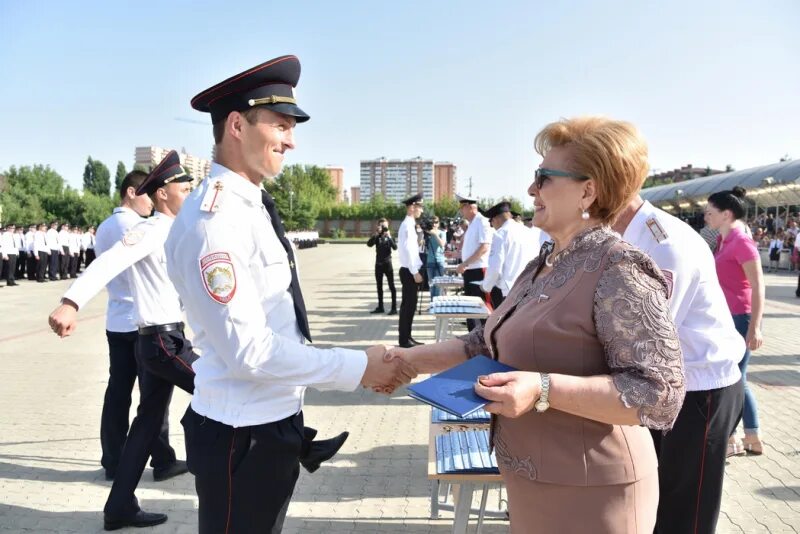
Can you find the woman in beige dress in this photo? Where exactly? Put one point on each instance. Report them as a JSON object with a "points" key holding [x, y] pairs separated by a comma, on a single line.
{"points": [[588, 327]]}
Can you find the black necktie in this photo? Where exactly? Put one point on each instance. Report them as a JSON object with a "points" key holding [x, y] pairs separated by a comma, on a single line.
{"points": [[297, 295]]}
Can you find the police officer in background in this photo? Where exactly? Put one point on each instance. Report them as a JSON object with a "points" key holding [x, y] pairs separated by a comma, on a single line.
{"points": [[30, 237], [244, 304], [42, 253], [9, 251], [410, 265], [691, 456], [163, 354], [64, 251], [475, 247], [51, 238], [22, 253], [513, 246], [384, 243]]}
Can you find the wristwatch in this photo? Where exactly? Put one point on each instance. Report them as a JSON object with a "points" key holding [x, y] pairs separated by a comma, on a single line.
{"points": [[542, 404]]}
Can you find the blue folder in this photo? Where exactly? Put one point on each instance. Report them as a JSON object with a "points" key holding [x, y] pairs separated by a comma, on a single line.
{"points": [[453, 390], [465, 453]]}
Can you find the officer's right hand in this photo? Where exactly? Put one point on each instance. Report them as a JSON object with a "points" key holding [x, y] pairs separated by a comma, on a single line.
{"points": [[385, 375], [418, 278], [64, 319]]}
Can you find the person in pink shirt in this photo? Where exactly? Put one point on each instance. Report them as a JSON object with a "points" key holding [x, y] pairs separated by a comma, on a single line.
{"points": [[739, 271]]}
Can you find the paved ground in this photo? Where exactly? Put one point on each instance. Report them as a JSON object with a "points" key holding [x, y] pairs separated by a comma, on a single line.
{"points": [[51, 393]]}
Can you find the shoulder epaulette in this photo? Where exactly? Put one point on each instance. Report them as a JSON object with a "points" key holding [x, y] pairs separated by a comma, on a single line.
{"points": [[214, 197], [659, 234]]}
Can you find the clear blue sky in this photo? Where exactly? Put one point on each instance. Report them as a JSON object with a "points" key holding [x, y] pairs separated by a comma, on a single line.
{"points": [[708, 83]]}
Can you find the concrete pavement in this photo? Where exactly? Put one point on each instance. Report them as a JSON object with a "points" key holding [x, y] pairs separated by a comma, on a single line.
{"points": [[51, 393]]}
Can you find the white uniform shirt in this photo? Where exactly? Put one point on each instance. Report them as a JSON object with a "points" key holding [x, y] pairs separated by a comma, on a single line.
{"points": [[119, 312], [233, 275], [51, 238], [155, 300], [710, 343], [87, 241], [478, 232], [7, 245], [19, 242], [513, 247], [408, 246], [29, 239], [74, 243], [40, 243], [63, 238]]}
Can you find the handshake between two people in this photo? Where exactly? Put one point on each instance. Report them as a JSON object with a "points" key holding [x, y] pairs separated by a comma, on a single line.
{"points": [[386, 370]]}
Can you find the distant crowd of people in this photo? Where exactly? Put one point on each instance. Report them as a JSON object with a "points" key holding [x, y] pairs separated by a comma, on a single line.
{"points": [[43, 253]]}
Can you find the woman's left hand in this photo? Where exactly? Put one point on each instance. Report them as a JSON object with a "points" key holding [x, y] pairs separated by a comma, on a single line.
{"points": [[512, 394], [754, 338]]}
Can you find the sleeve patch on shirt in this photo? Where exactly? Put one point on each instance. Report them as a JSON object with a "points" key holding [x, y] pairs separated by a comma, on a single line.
{"points": [[132, 237], [219, 277]]}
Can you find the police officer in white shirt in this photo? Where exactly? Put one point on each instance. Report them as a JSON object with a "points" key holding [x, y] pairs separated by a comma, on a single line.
{"points": [[51, 238], [89, 239], [410, 265], [9, 251], [513, 247], [30, 236], [42, 253], [65, 254], [475, 247], [74, 252], [121, 334], [235, 271], [692, 455], [22, 253], [163, 353]]}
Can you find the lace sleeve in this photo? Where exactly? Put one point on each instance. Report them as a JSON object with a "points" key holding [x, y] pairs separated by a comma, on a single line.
{"points": [[474, 343], [632, 319]]}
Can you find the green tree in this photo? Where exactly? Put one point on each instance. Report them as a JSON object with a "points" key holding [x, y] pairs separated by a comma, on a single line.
{"points": [[121, 172], [31, 194], [96, 177], [300, 192]]}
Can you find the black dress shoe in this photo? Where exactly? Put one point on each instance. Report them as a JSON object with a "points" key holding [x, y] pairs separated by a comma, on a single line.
{"points": [[414, 342], [405, 345], [165, 473], [393, 311], [139, 519], [12, 284], [379, 309], [322, 450]]}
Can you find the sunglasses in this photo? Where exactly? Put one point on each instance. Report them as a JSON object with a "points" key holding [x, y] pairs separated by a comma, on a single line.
{"points": [[542, 175]]}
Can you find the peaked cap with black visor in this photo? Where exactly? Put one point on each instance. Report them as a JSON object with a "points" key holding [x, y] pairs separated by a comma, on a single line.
{"points": [[168, 171], [270, 84]]}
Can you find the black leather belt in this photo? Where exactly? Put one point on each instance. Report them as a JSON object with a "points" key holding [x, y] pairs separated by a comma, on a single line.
{"points": [[147, 330]]}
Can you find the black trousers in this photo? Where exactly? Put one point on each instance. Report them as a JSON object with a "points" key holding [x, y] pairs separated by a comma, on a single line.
{"points": [[73, 266], [32, 267], [385, 269], [41, 266], [10, 269], [245, 476], [408, 305], [474, 290], [165, 359], [90, 256], [55, 263], [114, 424], [64, 266], [22, 264], [497, 297], [691, 460]]}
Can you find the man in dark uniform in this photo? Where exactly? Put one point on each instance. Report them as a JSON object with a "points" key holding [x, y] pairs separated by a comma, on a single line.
{"points": [[384, 243]]}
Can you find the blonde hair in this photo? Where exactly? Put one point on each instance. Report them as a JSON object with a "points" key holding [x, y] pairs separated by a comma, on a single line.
{"points": [[612, 153]]}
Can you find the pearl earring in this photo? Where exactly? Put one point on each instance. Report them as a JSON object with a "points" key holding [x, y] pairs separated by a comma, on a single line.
{"points": [[585, 215]]}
